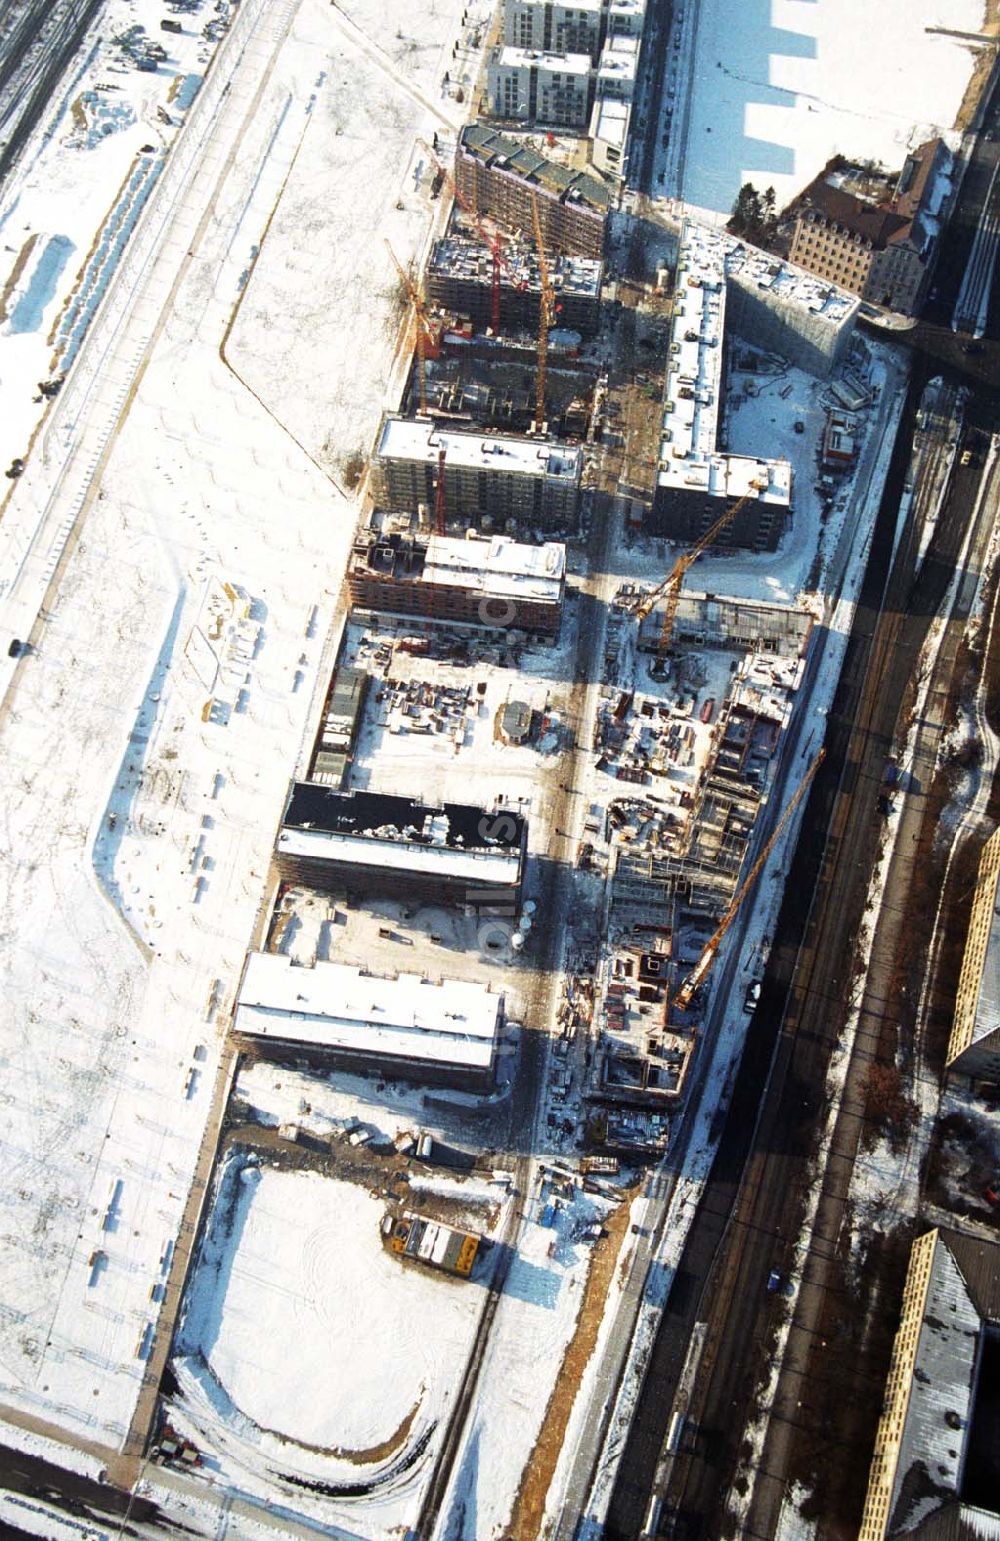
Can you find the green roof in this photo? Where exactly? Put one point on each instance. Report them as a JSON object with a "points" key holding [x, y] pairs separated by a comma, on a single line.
{"points": [[488, 144]]}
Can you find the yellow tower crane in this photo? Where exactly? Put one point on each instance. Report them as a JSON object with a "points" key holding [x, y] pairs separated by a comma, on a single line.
{"points": [[419, 307], [546, 310], [698, 974], [670, 588]]}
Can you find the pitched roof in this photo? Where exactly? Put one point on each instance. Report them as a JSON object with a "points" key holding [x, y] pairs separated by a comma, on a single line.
{"points": [[874, 223], [521, 160]]}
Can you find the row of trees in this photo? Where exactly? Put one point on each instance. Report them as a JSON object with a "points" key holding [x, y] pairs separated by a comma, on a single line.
{"points": [[755, 214]]}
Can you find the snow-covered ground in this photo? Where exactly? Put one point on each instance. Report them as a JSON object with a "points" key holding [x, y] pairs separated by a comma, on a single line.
{"points": [[77, 194], [139, 819], [321, 292], [534, 1324], [769, 90], [308, 1354]]}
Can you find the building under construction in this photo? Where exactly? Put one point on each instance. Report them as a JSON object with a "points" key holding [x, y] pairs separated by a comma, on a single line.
{"points": [[465, 392], [497, 177], [365, 843], [460, 275], [471, 479], [496, 582], [715, 620]]}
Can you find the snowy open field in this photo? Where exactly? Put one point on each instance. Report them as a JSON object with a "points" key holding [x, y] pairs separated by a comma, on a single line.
{"points": [[139, 820], [321, 296], [76, 197], [779, 86], [306, 1350]]}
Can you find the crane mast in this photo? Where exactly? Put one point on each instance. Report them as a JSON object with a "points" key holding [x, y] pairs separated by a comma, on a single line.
{"points": [[670, 588], [419, 306], [492, 239], [544, 317], [698, 974], [439, 503]]}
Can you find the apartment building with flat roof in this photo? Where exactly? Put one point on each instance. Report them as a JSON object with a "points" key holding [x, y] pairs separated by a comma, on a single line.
{"points": [[528, 86], [974, 1045], [547, 26], [493, 483]]}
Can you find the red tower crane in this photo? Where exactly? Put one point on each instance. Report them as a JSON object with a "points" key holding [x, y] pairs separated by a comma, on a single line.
{"points": [[492, 239]]}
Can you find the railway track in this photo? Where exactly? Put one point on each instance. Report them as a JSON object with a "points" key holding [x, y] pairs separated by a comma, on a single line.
{"points": [[37, 45]]}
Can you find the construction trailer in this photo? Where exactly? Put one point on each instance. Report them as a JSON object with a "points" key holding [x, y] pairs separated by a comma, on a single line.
{"points": [[432, 1243]]}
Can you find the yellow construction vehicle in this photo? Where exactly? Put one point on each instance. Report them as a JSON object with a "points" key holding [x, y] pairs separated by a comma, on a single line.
{"points": [[670, 588], [699, 973]]}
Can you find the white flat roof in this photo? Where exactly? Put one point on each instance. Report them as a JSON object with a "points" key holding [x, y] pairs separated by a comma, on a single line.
{"points": [[689, 456], [404, 439], [369, 851], [619, 55], [576, 5], [497, 566], [731, 476], [534, 59], [609, 121], [336, 1006]]}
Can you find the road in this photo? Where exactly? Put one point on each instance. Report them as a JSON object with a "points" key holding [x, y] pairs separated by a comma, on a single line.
{"points": [[800, 1376], [752, 1206]]}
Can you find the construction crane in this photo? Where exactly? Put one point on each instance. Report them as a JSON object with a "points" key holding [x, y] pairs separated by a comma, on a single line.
{"points": [[439, 506], [670, 588], [492, 239], [697, 976], [546, 304], [419, 305]]}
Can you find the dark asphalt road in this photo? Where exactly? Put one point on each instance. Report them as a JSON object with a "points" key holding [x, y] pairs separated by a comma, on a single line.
{"points": [[755, 1191]]}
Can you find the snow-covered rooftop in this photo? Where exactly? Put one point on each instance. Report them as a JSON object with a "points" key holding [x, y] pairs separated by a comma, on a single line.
{"points": [[403, 439], [618, 60], [497, 566], [369, 851], [610, 121], [460, 255], [454, 841], [336, 1006], [557, 63], [690, 457]]}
